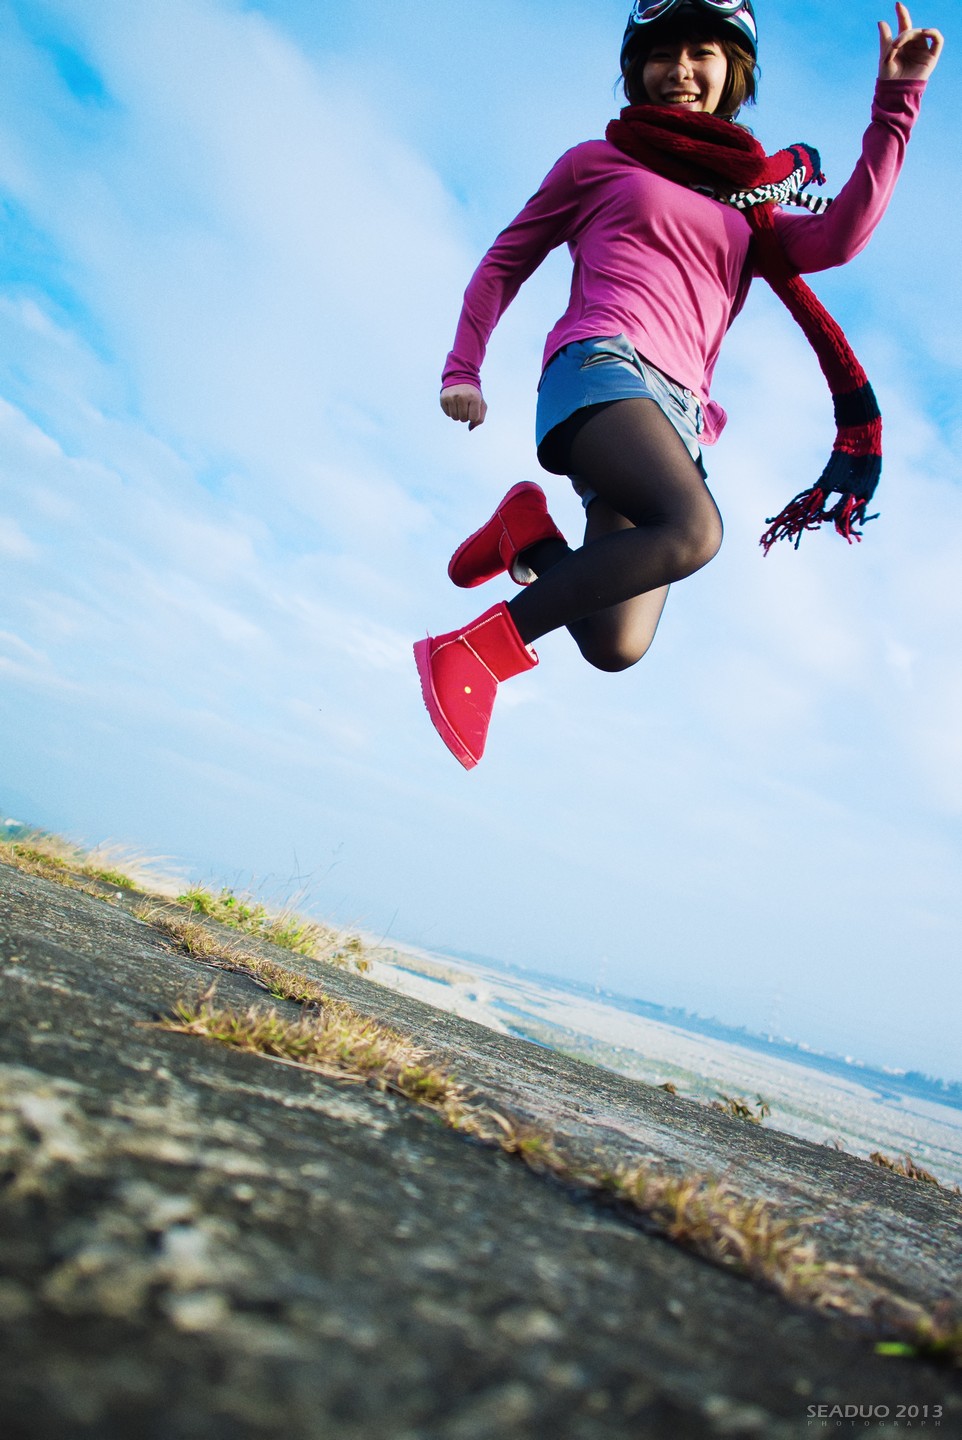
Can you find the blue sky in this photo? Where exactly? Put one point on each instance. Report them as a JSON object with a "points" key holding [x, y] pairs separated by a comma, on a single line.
{"points": [[235, 241]]}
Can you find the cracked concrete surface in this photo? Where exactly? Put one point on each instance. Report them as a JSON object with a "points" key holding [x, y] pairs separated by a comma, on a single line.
{"points": [[199, 1243]]}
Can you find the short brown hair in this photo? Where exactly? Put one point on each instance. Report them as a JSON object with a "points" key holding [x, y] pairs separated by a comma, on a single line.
{"points": [[740, 85]]}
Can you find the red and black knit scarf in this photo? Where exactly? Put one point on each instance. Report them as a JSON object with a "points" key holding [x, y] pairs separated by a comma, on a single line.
{"points": [[728, 163]]}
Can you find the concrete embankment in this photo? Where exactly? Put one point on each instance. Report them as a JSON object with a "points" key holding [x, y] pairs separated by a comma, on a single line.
{"points": [[201, 1244]]}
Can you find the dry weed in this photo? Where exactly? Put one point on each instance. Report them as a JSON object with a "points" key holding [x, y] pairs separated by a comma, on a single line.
{"points": [[710, 1217], [741, 1109], [53, 858], [196, 940], [332, 1039], [284, 928], [905, 1166]]}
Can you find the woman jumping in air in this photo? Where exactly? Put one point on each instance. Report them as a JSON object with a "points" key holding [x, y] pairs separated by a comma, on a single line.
{"points": [[667, 220]]}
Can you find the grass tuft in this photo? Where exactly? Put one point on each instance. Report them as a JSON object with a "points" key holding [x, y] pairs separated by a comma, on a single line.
{"points": [[905, 1166], [55, 859], [936, 1337], [52, 858], [285, 928], [939, 1335], [741, 1109], [527, 1142], [332, 1039], [711, 1218], [196, 940]]}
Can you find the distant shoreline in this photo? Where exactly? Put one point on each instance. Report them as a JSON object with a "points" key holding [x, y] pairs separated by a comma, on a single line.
{"points": [[888, 1083]]}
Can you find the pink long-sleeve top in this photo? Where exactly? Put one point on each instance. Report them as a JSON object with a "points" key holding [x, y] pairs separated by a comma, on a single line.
{"points": [[662, 264]]}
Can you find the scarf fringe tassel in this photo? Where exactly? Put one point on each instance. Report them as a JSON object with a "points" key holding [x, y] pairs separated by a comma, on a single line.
{"points": [[853, 472], [809, 510]]}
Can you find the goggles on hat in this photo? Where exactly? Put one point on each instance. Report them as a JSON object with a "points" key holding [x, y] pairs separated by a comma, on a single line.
{"points": [[738, 15], [643, 13]]}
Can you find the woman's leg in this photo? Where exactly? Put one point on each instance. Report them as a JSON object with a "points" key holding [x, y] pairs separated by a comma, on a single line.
{"points": [[618, 637], [615, 638], [632, 456]]}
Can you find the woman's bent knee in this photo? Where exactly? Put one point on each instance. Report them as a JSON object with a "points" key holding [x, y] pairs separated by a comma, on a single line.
{"points": [[710, 544], [612, 656], [694, 547]]}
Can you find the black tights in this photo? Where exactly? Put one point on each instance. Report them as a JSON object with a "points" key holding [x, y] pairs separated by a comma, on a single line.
{"points": [[654, 522]]}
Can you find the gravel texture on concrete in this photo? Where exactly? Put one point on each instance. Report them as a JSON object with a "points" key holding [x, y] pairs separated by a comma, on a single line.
{"points": [[197, 1243]]}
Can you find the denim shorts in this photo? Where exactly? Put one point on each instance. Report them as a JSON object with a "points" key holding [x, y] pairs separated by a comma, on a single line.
{"points": [[606, 368]]}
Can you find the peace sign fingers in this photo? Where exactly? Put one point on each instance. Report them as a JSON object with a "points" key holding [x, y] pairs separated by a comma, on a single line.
{"points": [[910, 55]]}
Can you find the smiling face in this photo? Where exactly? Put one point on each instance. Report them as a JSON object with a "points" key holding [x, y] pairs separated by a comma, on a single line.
{"points": [[686, 72]]}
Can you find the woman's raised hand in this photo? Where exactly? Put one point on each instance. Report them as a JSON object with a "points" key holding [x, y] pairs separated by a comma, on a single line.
{"points": [[464, 402], [912, 54]]}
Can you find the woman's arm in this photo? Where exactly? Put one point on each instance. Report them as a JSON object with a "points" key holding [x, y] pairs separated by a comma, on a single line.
{"points": [[819, 242], [543, 224]]}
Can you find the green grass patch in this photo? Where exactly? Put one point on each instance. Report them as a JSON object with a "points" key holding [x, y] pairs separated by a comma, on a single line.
{"points": [[55, 859], [195, 938], [284, 928]]}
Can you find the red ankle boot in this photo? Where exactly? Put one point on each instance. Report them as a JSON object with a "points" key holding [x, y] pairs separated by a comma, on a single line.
{"points": [[459, 678], [520, 520]]}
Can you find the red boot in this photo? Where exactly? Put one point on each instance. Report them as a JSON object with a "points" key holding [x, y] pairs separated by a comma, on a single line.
{"points": [[520, 520], [459, 678]]}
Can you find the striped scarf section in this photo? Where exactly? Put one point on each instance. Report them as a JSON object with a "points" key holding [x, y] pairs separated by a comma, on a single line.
{"points": [[725, 161]]}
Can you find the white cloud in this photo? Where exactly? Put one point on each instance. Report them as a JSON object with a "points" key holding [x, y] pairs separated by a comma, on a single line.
{"points": [[26, 664], [272, 270], [14, 544]]}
